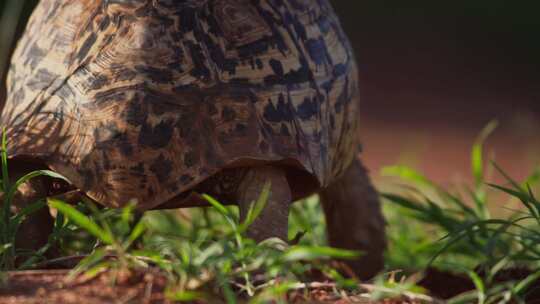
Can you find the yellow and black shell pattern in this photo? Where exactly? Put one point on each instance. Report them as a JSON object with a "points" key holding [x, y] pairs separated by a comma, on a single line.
{"points": [[145, 99]]}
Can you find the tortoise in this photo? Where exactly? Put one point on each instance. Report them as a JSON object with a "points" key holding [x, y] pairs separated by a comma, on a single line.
{"points": [[160, 101]]}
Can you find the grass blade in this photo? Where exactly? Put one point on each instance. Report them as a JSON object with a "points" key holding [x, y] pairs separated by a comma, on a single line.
{"points": [[523, 285], [477, 161], [257, 207], [88, 262], [82, 220], [221, 209], [407, 174], [5, 174], [28, 210], [297, 253], [479, 285], [136, 233]]}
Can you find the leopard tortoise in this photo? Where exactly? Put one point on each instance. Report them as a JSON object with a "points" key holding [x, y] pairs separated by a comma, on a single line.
{"points": [[159, 101]]}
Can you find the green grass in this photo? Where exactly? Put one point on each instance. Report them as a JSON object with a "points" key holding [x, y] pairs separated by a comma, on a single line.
{"points": [[456, 232], [205, 254]]}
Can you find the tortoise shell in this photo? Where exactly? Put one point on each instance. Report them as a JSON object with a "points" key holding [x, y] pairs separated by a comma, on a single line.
{"points": [[146, 99]]}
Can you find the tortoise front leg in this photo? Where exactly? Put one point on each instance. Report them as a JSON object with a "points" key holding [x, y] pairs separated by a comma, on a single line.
{"points": [[354, 219], [33, 233], [273, 220]]}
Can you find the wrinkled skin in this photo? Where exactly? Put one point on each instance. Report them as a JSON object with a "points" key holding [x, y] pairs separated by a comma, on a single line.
{"points": [[159, 101]]}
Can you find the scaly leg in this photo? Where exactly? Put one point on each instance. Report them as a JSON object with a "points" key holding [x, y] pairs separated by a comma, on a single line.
{"points": [[354, 219], [33, 232], [273, 220]]}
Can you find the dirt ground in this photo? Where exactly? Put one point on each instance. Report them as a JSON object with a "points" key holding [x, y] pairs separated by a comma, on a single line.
{"points": [[52, 286]]}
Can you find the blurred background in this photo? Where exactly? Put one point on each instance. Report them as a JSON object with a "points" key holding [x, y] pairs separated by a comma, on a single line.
{"points": [[433, 73]]}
